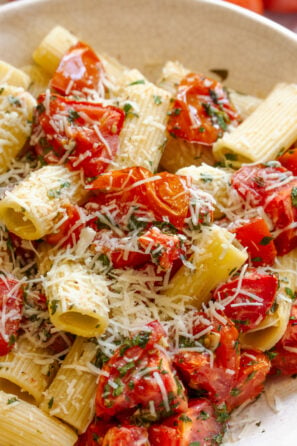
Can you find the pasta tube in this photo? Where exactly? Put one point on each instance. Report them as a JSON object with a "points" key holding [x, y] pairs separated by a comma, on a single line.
{"points": [[24, 366], [13, 76], [266, 133], [144, 132], [22, 424], [70, 397], [217, 256], [272, 328], [57, 42], [77, 298], [39, 79], [16, 110], [52, 48], [30, 209], [245, 103], [212, 180]]}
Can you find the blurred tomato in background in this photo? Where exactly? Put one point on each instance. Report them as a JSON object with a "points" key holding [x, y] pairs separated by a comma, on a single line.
{"points": [[287, 6], [253, 5]]}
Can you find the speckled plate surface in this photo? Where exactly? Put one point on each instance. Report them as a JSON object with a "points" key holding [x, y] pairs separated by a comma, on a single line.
{"points": [[204, 35]]}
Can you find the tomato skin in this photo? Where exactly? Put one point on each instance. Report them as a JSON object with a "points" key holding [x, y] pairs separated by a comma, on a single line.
{"points": [[126, 436], [80, 66], [95, 433], [196, 368], [286, 6], [283, 213], [256, 237], [253, 5], [289, 160], [274, 188], [282, 360], [168, 246], [11, 300], [78, 132], [197, 425], [134, 390], [261, 285], [252, 182], [201, 111], [166, 195], [254, 367], [74, 214]]}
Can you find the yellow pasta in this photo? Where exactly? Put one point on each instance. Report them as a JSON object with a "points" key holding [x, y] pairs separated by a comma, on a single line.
{"points": [[77, 298], [13, 76], [216, 257], [144, 133], [23, 424], [245, 103], [24, 366], [30, 209], [272, 328], [16, 110], [70, 397], [266, 133]]}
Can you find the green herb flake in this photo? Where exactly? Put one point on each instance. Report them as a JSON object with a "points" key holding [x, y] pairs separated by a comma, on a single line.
{"points": [[235, 391], [14, 101], [157, 100], [265, 241], [138, 82], [50, 403], [203, 415], [290, 293], [206, 178], [294, 196], [12, 340], [231, 156], [54, 306], [73, 115], [95, 437], [256, 259], [12, 400], [185, 418], [1, 90], [195, 443], [123, 370]]}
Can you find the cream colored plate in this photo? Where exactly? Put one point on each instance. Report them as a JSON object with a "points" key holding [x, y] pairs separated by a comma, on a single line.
{"points": [[202, 34]]}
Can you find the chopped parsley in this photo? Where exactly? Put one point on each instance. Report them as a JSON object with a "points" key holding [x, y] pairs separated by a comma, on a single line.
{"points": [[73, 115], [50, 403], [138, 82], [157, 100], [265, 241], [294, 196], [54, 306], [12, 400]]}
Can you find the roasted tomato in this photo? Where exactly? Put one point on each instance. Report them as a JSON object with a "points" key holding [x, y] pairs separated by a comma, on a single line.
{"points": [[95, 433], [213, 372], [165, 194], [69, 225], [256, 237], [82, 135], [289, 159], [163, 248], [247, 299], [79, 70], [126, 436], [254, 183], [282, 210], [201, 111], [281, 5], [196, 426], [139, 375], [273, 187], [253, 5], [254, 367], [11, 304], [284, 354]]}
